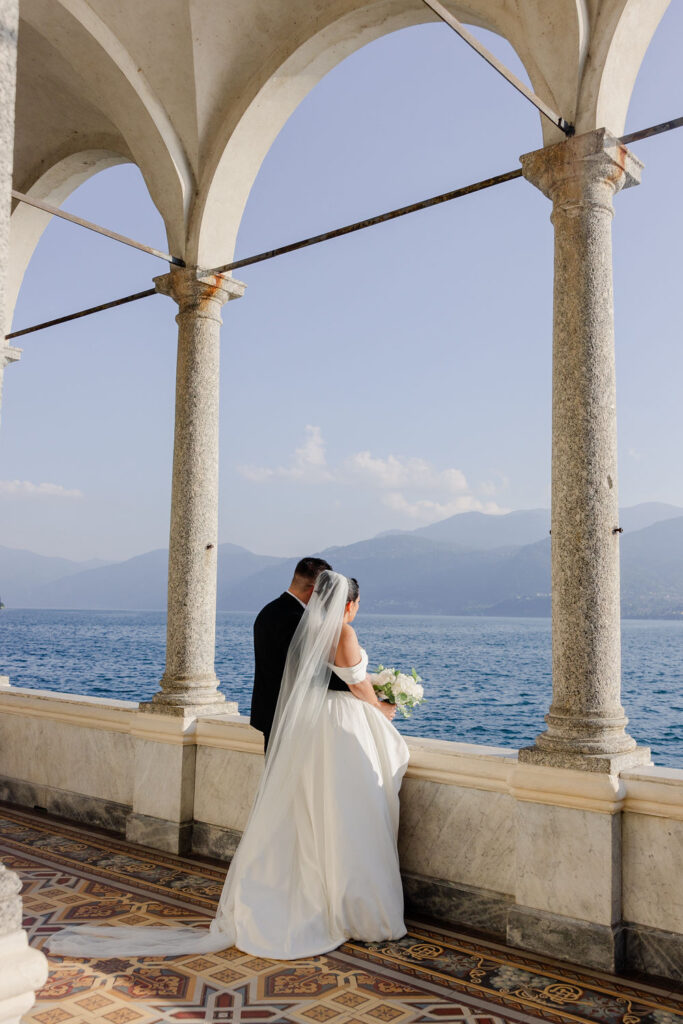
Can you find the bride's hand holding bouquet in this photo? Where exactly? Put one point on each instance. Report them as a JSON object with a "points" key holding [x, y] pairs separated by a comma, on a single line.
{"points": [[404, 691]]}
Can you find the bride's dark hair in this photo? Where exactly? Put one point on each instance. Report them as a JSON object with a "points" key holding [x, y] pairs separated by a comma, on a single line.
{"points": [[323, 585]]}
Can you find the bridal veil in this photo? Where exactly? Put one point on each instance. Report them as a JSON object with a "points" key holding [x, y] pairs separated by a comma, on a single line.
{"points": [[302, 697]]}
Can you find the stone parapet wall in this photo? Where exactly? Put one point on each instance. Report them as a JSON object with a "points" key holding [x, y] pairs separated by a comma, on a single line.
{"points": [[652, 836], [521, 851], [71, 755]]}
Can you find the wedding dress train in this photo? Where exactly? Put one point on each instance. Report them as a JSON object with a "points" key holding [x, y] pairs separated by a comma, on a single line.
{"points": [[317, 863]]}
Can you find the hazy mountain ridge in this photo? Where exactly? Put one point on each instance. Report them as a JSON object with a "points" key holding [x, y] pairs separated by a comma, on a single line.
{"points": [[469, 564], [139, 583], [23, 572]]}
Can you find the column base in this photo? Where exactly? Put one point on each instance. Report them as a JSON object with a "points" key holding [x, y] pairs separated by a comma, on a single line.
{"points": [[23, 970], [160, 707], [169, 836], [610, 764], [594, 945]]}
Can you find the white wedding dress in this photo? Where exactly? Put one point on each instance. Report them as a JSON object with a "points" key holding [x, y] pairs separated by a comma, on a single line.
{"points": [[317, 863], [330, 871]]}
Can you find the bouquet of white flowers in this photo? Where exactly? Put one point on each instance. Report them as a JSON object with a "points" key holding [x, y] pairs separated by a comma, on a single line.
{"points": [[398, 688]]}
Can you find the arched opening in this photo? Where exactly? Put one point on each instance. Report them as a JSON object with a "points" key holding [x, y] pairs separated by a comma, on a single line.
{"points": [[249, 131], [53, 187], [87, 443], [417, 354]]}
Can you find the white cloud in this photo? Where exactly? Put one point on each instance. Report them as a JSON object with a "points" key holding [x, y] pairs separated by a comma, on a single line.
{"points": [[26, 489], [308, 464], [433, 493], [428, 511], [394, 472], [492, 487]]}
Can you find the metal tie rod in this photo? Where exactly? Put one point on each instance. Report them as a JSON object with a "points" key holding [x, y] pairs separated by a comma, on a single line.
{"points": [[82, 312], [292, 247], [472, 41], [55, 211], [360, 225], [647, 133], [445, 197]]}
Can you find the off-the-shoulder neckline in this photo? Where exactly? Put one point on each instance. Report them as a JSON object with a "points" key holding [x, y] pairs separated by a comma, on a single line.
{"points": [[362, 656]]}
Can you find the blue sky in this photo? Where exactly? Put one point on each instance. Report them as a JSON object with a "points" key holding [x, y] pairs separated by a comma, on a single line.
{"points": [[379, 381]]}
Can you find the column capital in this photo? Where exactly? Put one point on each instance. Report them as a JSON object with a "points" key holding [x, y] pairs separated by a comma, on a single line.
{"points": [[202, 293], [586, 170], [9, 354]]}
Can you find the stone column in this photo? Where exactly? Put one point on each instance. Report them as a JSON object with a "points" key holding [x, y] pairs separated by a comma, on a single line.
{"points": [[22, 969], [189, 686], [8, 354], [586, 722]]}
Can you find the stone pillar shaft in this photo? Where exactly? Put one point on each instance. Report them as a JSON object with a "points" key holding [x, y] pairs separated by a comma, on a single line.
{"points": [[8, 354], [586, 722], [22, 969], [189, 685]]}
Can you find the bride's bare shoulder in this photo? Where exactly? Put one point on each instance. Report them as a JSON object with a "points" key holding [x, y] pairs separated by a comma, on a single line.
{"points": [[348, 650]]}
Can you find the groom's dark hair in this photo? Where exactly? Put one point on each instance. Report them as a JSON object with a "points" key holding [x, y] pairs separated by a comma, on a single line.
{"points": [[310, 568]]}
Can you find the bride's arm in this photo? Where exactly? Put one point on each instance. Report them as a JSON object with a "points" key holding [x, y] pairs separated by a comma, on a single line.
{"points": [[349, 654]]}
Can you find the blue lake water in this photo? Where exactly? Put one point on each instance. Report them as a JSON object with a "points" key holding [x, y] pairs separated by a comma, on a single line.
{"points": [[487, 680]]}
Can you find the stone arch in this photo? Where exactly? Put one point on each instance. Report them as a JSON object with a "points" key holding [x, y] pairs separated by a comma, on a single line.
{"points": [[98, 74], [28, 223], [621, 36], [246, 135]]}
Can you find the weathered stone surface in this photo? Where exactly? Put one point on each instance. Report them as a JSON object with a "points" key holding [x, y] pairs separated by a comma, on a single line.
{"points": [[652, 887], [478, 909], [654, 951], [79, 807], [189, 686], [580, 942], [171, 836], [22, 970], [586, 722], [569, 862], [217, 769], [10, 901], [8, 63], [79, 746], [434, 819], [87, 809], [214, 841]]}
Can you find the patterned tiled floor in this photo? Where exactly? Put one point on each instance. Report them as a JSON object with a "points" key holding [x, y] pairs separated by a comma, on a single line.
{"points": [[74, 874]]}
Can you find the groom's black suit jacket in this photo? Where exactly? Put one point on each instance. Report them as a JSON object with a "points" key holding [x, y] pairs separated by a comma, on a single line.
{"points": [[274, 628]]}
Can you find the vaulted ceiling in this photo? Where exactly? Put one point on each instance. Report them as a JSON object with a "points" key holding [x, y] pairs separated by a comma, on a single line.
{"points": [[195, 92]]}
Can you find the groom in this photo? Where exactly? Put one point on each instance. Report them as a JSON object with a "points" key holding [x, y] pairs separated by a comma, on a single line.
{"points": [[273, 631]]}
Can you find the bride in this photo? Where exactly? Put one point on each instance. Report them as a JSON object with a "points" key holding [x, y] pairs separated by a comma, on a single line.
{"points": [[317, 863]]}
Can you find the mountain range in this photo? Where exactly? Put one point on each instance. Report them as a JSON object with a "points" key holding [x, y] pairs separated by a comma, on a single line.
{"points": [[468, 564]]}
